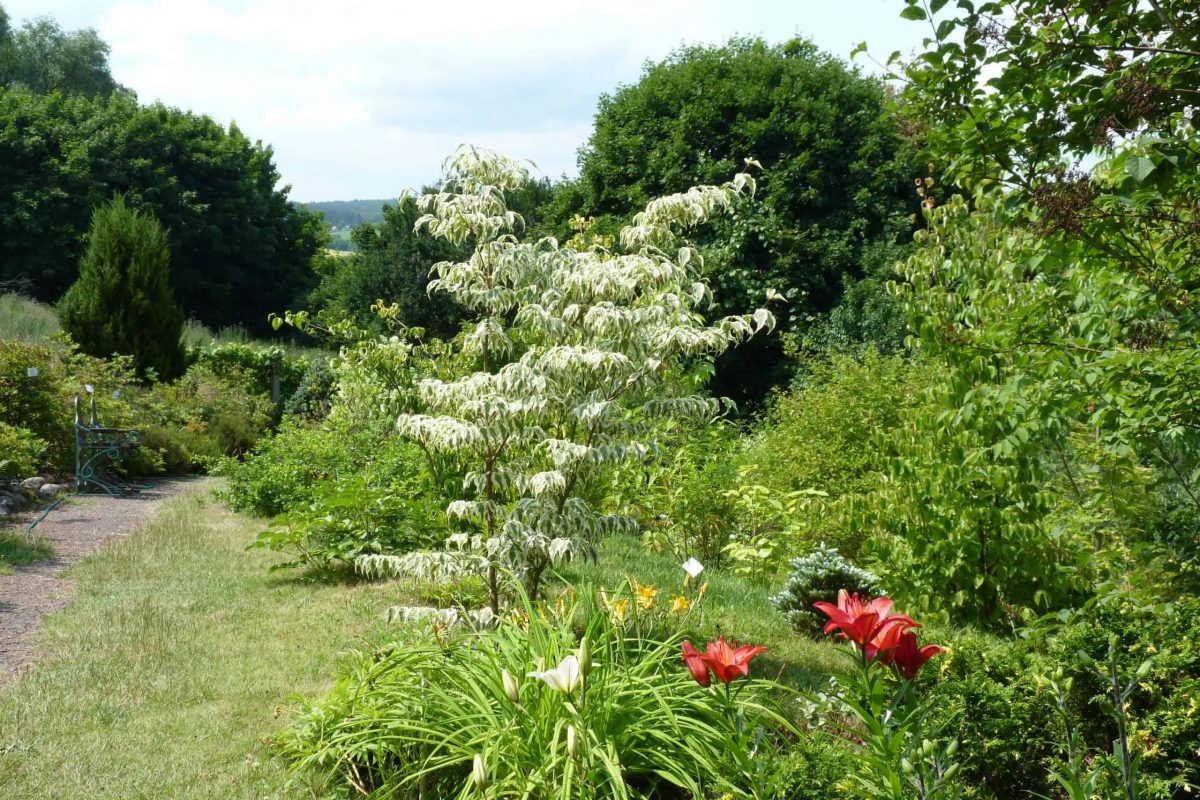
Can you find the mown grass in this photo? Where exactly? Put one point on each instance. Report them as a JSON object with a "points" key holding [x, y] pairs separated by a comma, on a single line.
{"points": [[26, 320], [171, 665], [180, 654], [738, 608], [16, 548]]}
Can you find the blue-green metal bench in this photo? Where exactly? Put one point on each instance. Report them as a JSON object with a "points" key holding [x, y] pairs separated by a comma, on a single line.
{"points": [[98, 450]]}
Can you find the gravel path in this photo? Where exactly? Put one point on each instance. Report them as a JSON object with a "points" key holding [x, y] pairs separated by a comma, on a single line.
{"points": [[78, 527]]}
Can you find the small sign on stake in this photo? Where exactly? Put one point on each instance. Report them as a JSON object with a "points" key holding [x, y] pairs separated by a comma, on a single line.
{"points": [[32, 372], [116, 393], [89, 388]]}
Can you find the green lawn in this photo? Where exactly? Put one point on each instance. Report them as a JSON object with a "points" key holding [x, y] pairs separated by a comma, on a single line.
{"points": [[173, 663], [180, 654]]}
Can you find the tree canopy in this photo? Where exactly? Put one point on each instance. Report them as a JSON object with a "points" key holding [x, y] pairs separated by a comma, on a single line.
{"points": [[42, 57], [834, 176], [239, 247]]}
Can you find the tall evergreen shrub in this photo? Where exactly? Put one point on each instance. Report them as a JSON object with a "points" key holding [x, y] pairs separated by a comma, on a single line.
{"points": [[122, 302]]}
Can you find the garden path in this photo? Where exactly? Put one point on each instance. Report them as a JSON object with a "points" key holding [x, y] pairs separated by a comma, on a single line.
{"points": [[76, 528]]}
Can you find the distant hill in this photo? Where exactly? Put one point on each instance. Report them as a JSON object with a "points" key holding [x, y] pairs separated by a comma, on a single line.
{"points": [[348, 213]]}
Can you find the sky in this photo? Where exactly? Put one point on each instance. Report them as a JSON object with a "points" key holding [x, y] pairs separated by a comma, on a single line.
{"points": [[362, 98]]}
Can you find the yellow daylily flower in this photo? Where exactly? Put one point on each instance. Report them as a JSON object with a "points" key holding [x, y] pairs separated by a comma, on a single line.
{"points": [[680, 604], [646, 596]]}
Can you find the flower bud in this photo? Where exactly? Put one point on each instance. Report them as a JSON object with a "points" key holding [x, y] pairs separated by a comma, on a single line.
{"points": [[479, 774], [585, 656], [510, 686], [572, 744], [952, 748], [1144, 669], [951, 771], [906, 766]]}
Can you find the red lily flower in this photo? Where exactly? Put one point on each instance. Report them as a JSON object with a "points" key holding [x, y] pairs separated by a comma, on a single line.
{"points": [[725, 662], [870, 625], [696, 664], [907, 657]]}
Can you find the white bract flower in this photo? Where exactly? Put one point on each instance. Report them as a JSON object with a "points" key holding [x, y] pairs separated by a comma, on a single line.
{"points": [[693, 567], [564, 678]]}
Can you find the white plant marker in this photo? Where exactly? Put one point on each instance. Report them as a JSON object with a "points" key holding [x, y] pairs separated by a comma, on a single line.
{"points": [[693, 567], [89, 388], [32, 372]]}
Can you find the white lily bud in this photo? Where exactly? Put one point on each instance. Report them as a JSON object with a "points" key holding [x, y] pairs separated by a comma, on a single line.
{"points": [[585, 656], [572, 744], [510, 686], [479, 774]]}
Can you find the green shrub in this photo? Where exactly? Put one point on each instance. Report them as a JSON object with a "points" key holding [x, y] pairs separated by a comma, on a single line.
{"points": [[252, 365], [822, 436], [208, 415], [993, 695], [314, 395], [284, 471], [350, 518], [412, 718], [169, 445], [123, 301], [42, 404], [987, 695], [815, 767], [817, 577], [20, 452], [1164, 708], [676, 494], [140, 462]]}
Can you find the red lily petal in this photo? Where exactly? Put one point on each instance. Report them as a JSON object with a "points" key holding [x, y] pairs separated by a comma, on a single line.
{"points": [[908, 658], [696, 664]]}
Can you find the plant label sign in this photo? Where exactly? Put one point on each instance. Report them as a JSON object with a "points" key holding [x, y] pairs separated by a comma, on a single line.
{"points": [[32, 372]]}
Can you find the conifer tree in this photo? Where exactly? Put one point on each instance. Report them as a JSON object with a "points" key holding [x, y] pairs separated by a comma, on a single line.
{"points": [[122, 301]]}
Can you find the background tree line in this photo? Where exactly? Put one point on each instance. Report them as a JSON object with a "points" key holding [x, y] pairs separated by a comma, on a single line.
{"points": [[71, 137], [835, 200]]}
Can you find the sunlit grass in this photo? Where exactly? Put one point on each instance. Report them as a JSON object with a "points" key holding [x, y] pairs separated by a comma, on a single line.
{"points": [[26, 320], [196, 334], [17, 548], [738, 608], [172, 664]]}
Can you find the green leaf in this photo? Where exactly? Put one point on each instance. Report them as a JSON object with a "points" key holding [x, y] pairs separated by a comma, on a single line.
{"points": [[915, 13], [1139, 168]]}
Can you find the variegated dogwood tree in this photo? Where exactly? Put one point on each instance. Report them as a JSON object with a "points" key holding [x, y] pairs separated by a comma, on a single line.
{"points": [[575, 347]]}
